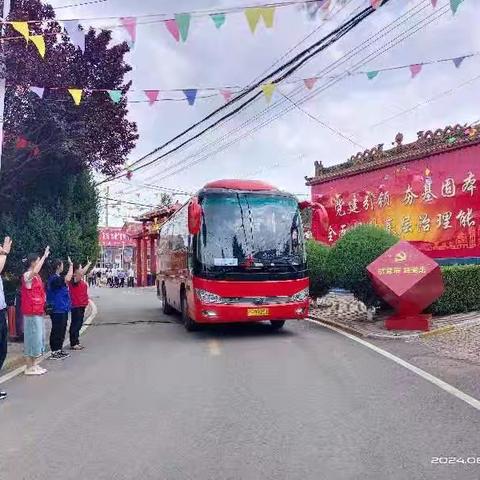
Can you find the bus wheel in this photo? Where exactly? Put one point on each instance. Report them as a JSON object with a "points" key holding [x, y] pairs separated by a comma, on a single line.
{"points": [[166, 307], [190, 325], [277, 324]]}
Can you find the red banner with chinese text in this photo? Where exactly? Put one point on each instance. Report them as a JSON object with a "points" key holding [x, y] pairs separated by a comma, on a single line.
{"points": [[114, 237], [433, 202]]}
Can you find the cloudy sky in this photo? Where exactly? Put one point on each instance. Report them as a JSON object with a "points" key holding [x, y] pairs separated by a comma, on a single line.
{"points": [[279, 142]]}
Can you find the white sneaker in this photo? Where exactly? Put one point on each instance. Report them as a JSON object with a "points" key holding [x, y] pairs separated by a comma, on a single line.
{"points": [[33, 371], [41, 370]]}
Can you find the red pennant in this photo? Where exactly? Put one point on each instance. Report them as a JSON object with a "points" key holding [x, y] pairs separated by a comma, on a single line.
{"points": [[310, 82], [226, 94], [152, 96], [375, 3], [434, 3], [172, 27], [415, 69]]}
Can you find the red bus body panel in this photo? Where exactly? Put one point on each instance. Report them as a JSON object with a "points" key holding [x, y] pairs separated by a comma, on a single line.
{"points": [[239, 311]]}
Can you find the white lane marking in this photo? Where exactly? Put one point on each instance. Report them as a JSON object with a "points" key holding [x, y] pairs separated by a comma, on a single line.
{"points": [[214, 348], [86, 324], [422, 373]]}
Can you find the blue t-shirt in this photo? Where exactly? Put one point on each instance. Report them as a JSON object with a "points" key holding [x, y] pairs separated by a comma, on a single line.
{"points": [[58, 296]]}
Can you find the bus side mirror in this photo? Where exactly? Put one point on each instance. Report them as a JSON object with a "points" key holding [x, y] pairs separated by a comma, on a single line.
{"points": [[194, 216]]}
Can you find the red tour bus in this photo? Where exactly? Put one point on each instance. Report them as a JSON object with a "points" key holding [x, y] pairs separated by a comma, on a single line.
{"points": [[234, 253]]}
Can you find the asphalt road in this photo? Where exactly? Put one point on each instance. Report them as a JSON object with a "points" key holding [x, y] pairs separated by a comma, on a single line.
{"points": [[150, 401]]}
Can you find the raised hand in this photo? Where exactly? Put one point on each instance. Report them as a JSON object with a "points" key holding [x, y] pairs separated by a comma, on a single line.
{"points": [[7, 245], [47, 252], [70, 261]]}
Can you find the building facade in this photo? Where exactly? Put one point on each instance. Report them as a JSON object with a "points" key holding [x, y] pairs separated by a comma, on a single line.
{"points": [[426, 192]]}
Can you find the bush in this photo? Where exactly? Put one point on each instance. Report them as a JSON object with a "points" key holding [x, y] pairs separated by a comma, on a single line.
{"points": [[317, 254], [348, 260], [462, 290]]}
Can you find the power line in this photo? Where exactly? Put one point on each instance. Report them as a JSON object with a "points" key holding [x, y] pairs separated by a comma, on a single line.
{"points": [[292, 65], [308, 97], [353, 52]]}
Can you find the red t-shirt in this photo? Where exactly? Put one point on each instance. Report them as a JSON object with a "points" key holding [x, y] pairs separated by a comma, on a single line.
{"points": [[78, 293]]}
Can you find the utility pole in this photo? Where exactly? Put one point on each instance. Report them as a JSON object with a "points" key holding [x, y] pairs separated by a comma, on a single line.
{"points": [[3, 73], [106, 206]]}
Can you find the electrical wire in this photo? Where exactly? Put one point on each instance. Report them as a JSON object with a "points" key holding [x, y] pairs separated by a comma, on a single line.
{"points": [[268, 121], [353, 52], [291, 65]]}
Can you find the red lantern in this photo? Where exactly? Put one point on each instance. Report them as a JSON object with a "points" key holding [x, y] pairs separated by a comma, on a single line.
{"points": [[194, 216]]}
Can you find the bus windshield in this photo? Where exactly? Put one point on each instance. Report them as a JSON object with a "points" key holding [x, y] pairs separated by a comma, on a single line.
{"points": [[249, 231]]}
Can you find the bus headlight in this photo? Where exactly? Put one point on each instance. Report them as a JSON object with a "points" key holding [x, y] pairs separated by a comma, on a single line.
{"points": [[208, 297], [300, 296]]}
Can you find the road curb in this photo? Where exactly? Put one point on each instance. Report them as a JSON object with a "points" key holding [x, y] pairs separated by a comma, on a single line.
{"points": [[17, 370], [396, 336]]}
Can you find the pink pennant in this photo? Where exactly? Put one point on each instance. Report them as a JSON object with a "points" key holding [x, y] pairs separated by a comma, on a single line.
{"points": [[152, 96], [172, 27], [434, 3], [375, 3], [415, 69], [310, 82], [227, 95], [130, 24]]}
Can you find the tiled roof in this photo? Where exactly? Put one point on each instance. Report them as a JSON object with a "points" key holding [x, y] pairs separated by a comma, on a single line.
{"points": [[428, 143]]}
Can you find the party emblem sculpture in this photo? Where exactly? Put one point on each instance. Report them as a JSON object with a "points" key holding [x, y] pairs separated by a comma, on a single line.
{"points": [[409, 281]]}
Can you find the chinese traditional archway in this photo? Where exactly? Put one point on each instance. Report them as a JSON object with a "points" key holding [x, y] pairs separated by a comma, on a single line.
{"points": [[426, 192], [145, 234]]}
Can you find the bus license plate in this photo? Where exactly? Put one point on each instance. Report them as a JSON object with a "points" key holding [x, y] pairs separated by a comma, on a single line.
{"points": [[257, 312]]}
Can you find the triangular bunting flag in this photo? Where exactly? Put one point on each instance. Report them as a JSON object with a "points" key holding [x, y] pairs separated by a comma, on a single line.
{"points": [[268, 13], [183, 23], [37, 91], [226, 94], [434, 3], [152, 96], [310, 82], [376, 3], [172, 27], [77, 36], [415, 69], [454, 4], [130, 24], [39, 42], [115, 95], [76, 94], [22, 28], [218, 19], [458, 61], [372, 74], [268, 90], [191, 95], [253, 16]]}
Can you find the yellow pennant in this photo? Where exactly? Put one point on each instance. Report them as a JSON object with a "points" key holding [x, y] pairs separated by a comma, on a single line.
{"points": [[253, 16], [22, 28], [39, 42], [267, 14], [76, 94], [268, 90]]}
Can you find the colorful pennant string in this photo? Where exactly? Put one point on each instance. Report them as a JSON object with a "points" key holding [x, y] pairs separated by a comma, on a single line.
{"points": [[454, 4], [130, 24], [39, 91], [172, 26], [268, 90], [183, 23], [77, 36], [76, 94], [39, 42], [115, 95], [310, 82], [218, 19], [415, 69], [152, 96], [22, 29], [191, 95], [372, 74]]}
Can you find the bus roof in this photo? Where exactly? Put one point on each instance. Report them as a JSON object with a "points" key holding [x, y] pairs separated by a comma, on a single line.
{"points": [[249, 185]]}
